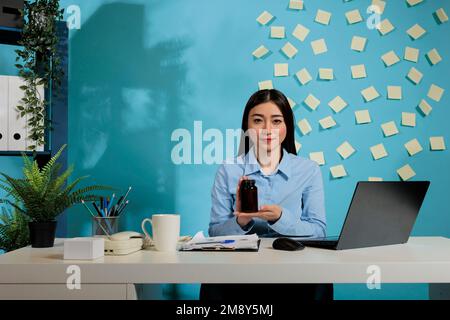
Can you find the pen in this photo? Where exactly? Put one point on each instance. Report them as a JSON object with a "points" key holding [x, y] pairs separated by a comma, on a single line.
{"points": [[97, 209], [114, 211], [215, 242], [119, 201], [110, 202], [107, 203], [123, 207], [126, 195]]}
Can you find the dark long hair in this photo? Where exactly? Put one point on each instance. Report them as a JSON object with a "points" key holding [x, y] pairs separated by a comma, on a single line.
{"points": [[278, 98]]}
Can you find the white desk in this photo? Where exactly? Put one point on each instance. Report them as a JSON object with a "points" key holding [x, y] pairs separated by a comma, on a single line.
{"points": [[41, 273]]}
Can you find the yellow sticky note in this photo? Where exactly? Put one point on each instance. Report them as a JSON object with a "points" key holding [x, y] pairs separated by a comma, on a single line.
{"points": [[394, 92], [406, 172], [385, 27], [375, 179], [304, 126], [441, 15], [358, 71], [289, 50], [337, 104], [264, 18], [380, 4], [435, 93], [266, 84], [353, 16], [281, 70], [378, 151], [412, 3], [260, 52], [437, 143], [277, 32], [292, 103], [370, 93], [358, 43], [296, 4], [425, 107], [298, 146], [300, 32], [326, 74], [312, 102], [413, 147], [416, 31], [303, 76], [411, 54], [408, 119], [327, 122], [390, 58], [319, 46], [345, 150], [414, 75], [362, 116], [338, 171], [323, 17], [317, 157], [433, 56], [389, 128]]}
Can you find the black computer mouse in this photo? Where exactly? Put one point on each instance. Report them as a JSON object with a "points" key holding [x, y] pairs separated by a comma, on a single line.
{"points": [[287, 244]]}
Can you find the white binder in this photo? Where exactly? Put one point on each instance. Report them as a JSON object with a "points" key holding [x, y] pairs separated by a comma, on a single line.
{"points": [[4, 85], [17, 125]]}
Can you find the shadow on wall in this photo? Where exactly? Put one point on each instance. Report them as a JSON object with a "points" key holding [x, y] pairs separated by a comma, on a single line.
{"points": [[124, 101]]}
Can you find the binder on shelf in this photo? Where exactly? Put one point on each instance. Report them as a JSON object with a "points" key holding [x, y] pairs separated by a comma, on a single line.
{"points": [[3, 113], [14, 128], [16, 123]]}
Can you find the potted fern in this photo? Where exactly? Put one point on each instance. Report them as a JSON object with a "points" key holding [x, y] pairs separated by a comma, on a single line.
{"points": [[14, 233], [43, 194]]}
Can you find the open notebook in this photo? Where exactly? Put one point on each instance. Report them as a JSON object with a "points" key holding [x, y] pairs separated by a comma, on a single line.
{"points": [[223, 243]]}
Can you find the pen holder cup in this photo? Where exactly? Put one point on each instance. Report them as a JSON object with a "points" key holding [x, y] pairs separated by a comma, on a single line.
{"points": [[105, 225]]}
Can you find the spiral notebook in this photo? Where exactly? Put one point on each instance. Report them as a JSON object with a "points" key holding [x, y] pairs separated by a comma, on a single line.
{"points": [[223, 243]]}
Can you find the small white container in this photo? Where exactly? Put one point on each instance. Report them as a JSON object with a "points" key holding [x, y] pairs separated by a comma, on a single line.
{"points": [[84, 248]]}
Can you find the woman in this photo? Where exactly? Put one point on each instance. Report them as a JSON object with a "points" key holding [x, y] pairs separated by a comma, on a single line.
{"points": [[290, 190]]}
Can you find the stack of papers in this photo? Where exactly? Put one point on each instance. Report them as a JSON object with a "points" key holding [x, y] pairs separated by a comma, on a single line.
{"points": [[225, 243]]}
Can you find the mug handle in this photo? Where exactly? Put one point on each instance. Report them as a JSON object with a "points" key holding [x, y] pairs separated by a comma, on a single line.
{"points": [[143, 227]]}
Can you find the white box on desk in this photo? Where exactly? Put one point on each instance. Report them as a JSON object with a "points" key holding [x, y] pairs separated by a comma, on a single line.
{"points": [[84, 248]]}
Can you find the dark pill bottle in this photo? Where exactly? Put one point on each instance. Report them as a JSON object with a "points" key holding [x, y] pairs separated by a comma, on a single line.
{"points": [[249, 196]]}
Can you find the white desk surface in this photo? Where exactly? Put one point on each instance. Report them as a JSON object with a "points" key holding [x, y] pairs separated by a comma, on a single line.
{"points": [[421, 260]]}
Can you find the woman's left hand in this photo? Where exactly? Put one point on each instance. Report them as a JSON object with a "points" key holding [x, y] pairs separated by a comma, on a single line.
{"points": [[269, 212]]}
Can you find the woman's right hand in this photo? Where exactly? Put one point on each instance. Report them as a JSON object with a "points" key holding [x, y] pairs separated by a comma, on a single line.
{"points": [[242, 221]]}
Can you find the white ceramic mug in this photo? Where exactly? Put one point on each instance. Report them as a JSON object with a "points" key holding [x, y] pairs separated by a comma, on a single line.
{"points": [[166, 231]]}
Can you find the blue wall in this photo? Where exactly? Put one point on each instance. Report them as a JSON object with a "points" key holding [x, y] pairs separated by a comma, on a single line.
{"points": [[140, 69]]}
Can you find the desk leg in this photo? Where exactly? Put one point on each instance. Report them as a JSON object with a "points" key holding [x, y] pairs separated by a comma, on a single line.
{"points": [[439, 291], [131, 291]]}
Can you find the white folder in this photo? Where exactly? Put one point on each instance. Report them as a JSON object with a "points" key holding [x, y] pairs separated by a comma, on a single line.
{"points": [[17, 124], [4, 85]]}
